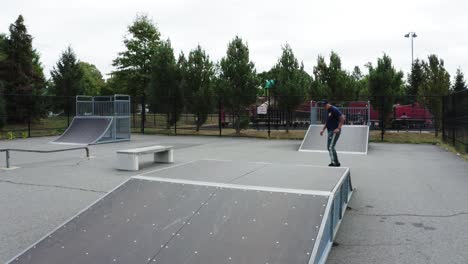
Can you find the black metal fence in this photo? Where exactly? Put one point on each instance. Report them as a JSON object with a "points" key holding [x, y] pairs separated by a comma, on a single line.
{"points": [[215, 116], [455, 120], [51, 115], [41, 116]]}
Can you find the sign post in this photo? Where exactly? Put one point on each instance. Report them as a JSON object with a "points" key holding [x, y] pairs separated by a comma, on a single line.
{"points": [[262, 109]]}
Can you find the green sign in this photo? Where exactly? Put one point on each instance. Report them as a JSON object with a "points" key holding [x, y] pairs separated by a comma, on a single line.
{"points": [[269, 84]]}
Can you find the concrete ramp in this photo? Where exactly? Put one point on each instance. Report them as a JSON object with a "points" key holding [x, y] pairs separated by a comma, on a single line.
{"points": [[255, 213], [353, 139], [85, 131]]}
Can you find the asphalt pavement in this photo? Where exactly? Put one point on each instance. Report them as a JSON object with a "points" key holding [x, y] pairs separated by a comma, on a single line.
{"points": [[409, 205]]}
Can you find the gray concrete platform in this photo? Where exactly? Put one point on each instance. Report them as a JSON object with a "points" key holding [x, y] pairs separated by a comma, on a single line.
{"points": [[150, 221], [305, 177], [409, 207], [281, 210]]}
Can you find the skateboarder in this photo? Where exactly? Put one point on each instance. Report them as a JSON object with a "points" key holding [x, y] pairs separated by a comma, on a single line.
{"points": [[335, 120]]}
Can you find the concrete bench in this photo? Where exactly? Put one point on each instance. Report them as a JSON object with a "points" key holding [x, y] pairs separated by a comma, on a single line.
{"points": [[128, 159]]}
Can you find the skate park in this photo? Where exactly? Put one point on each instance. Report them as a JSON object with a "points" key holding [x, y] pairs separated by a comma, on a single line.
{"points": [[400, 207], [223, 200], [301, 228], [204, 132]]}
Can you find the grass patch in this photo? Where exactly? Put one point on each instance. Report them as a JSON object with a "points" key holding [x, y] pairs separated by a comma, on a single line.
{"points": [[50, 126], [453, 150], [276, 134], [228, 132], [39, 124], [415, 138], [405, 137]]}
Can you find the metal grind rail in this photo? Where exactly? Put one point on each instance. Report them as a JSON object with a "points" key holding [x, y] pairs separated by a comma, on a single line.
{"points": [[7, 152]]}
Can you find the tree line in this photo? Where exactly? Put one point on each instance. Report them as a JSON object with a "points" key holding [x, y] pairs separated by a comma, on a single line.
{"points": [[148, 68]]}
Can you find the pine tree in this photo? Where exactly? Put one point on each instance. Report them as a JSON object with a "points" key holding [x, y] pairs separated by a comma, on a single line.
{"points": [[436, 84], [238, 79], [385, 83], [415, 78], [319, 88], [3, 57], [20, 58], [360, 84], [135, 63], [338, 80], [199, 77], [24, 76], [459, 84], [164, 84], [332, 81], [67, 78], [291, 83]]}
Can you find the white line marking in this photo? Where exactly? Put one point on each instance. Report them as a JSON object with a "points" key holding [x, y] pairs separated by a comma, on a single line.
{"points": [[305, 136], [263, 163], [252, 162], [220, 160], [166, 168], [367, 140], [279, 164], [65, 143], [338, 151], [235, 186]]}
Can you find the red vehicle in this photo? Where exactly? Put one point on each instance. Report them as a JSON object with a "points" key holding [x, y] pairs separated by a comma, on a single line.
{"points": [[412, 111], [409, 116]]}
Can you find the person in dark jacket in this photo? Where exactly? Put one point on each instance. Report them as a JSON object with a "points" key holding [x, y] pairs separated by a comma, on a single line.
{"points": [[333, 125]]}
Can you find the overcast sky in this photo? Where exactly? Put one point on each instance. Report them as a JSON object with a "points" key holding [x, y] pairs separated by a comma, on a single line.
{"points": [[359, 31]]}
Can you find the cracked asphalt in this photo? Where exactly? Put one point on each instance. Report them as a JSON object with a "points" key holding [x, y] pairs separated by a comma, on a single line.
{"points": [[409, 206]]}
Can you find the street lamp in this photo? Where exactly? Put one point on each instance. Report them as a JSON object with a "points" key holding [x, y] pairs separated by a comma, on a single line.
{"points": [[411, 35]]}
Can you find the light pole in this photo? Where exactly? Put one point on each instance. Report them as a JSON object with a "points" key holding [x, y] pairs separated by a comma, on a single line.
{"points": [[269, 84], [411, 35]]}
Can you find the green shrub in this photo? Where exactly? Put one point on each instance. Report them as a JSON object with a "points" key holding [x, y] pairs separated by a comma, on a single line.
{"points": [[243, 122], [11, 135]]}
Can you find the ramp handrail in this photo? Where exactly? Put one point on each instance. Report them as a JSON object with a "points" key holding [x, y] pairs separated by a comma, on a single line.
{"points": [[7, 152]]}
